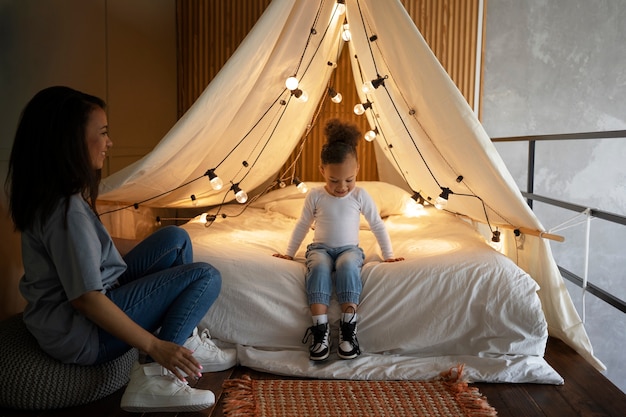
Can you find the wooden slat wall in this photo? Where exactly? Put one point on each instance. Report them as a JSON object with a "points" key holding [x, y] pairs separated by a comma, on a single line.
{"points": [[209, 31]]}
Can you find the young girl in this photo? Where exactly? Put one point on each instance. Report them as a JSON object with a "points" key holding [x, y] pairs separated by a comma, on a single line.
{"points": [[86, 304], [336, 208]]}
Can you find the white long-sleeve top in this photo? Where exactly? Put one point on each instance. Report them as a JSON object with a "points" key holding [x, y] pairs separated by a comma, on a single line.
{"points": [[337, 220]]}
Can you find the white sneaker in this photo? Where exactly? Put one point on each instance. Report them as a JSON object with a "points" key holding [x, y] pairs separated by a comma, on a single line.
{"points": [[211, 357], [153, 388]]}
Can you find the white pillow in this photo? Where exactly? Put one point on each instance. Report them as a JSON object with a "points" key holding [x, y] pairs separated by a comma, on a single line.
{"points": [[389, 199]]}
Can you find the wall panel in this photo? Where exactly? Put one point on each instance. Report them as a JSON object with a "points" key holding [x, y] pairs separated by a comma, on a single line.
{"points": [[209, 31]]}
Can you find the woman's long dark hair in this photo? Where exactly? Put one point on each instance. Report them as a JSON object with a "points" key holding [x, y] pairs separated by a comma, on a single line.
{"points": [[50, 160], [341, 141]]}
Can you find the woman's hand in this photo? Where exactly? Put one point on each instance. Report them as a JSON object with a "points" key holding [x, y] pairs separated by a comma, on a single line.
{"points": [[394, 259], [280, 255], [101, 310], [177, 359]]}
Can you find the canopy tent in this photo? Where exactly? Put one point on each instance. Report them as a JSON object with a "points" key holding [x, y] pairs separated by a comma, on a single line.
{"points": [[246, 123]]}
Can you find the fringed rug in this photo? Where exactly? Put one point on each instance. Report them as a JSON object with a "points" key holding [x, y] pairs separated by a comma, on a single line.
{"points": [[446, 396]]}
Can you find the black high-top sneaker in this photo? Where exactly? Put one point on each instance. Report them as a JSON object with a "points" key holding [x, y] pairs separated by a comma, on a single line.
{"points": [[320, 345], [348, 343]]}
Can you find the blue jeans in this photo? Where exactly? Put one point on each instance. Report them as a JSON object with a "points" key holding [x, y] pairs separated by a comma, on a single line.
{"points": [[345, 261], [162, 288]]}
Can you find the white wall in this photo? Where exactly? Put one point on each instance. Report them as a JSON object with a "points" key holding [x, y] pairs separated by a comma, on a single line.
{"points": [[121, 50], [559, 66]]}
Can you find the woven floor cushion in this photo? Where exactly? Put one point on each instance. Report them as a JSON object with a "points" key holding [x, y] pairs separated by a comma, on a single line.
{"points": [[30, 379]]}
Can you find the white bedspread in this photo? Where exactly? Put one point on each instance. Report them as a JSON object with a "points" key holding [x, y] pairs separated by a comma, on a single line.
{"points": [[453, 300]]}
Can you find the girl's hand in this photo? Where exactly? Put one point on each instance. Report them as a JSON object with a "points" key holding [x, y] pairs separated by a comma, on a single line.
{"points": [[394, 259], [280, 255], [177, 359]]}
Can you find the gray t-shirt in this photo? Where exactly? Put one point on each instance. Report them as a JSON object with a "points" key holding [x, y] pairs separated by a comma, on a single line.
{"points": [[62, 262]]}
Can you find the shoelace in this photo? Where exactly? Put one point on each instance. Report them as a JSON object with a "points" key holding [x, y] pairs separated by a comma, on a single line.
{"points": [[205, 338], [318, 333], [348, 333]]}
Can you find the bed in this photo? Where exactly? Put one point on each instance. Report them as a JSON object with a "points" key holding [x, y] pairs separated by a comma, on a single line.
{"points": [[454, 300]]}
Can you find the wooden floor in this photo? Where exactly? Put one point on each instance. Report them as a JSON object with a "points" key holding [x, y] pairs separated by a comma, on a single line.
{"points": [[586, 392]]}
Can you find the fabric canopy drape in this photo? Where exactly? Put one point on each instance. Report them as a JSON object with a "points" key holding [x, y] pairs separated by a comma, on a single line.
{"points": [[246, 124]]}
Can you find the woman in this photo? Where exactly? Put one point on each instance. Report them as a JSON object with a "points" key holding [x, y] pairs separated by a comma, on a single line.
{"points": [[86, 304]]}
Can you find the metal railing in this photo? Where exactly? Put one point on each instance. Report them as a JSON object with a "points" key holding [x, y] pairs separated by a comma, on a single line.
{"points": [[531, 197]]}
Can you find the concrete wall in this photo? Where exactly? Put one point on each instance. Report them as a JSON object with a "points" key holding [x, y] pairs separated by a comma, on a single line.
{"points": [[559, 66], [123, 51]]}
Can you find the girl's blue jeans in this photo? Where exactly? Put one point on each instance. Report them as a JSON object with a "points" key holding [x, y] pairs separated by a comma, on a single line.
{"points": [[162, 288], [345, 262]]}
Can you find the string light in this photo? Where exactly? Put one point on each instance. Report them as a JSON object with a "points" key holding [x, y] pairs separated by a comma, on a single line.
{"points": [[300, 95], [360, 108], [442, 201], [334, 95], [159, 220], [370, 135], [419, 200], [240, 195], [368, 87], [292, 83], [341, 7], [301, 186], [346, 35], [209, 219], [216, 182], [194, 201], [414, 206], [495, 241]]}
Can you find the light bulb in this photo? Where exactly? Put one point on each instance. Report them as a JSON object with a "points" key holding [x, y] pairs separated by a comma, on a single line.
{"points": [[300, 95], [341, 7], [241, 196], [304, 97], [292, 83], [194, 201], [367, 87], [203, 218], [414, 206], [346, 35], [334, 95], [413, 209], [419, 200], [442, 201], [360, 108], [216, 182], [370, 135], [300, 185]]}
